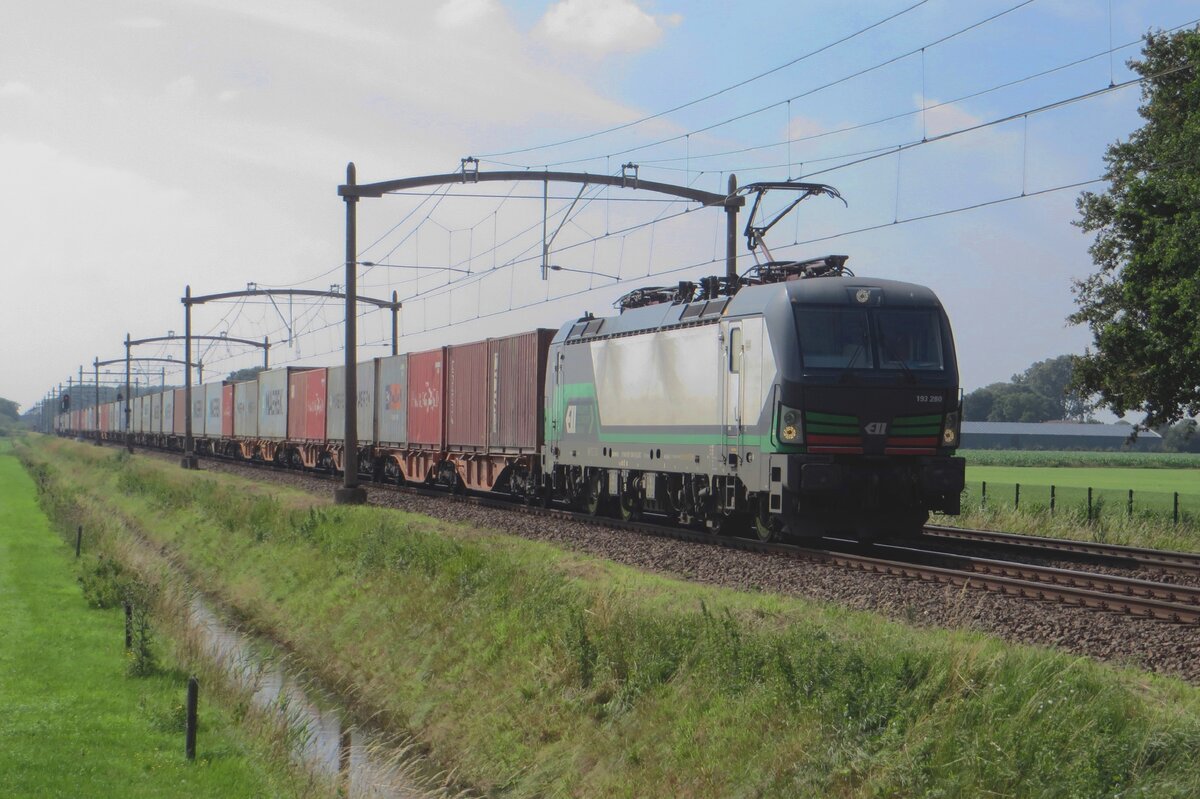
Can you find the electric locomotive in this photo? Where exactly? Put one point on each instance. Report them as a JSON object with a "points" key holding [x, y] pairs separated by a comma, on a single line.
{"points": [[809, 402]]}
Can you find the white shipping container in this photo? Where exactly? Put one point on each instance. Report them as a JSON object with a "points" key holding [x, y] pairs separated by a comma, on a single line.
{"points": [[168, 424], [391, 400], [198, 413], [245, 409], [147, 404], [156, 405], [335, 386], [273, 403], [212, 410]]}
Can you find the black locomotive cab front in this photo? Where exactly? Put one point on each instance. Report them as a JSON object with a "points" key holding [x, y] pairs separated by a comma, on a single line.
{"points": [[870, 410]]}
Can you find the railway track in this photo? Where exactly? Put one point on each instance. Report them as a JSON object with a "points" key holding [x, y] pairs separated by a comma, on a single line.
{"points": [[1142, 598], [914, 560], [1110, 554]]}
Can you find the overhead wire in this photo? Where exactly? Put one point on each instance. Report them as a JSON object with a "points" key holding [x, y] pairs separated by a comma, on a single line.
{"points": [[738, 117], [893, 117], [711, 95]]}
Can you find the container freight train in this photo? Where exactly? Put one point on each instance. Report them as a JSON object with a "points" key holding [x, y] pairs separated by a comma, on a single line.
{"points": [[794, 407]]}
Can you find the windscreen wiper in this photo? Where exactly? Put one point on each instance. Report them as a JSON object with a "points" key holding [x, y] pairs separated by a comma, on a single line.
{"points": [[887, 351]]}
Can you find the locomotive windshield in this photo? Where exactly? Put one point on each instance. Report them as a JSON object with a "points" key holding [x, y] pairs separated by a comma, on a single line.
{"points": [[858, 338]]}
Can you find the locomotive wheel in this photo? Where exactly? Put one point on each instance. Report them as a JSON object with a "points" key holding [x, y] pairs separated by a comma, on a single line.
{"points": [[631, 507], [768, 529], [593, 500]]}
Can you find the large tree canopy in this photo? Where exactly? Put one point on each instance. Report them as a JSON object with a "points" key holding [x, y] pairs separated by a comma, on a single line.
{"points": [[1143, 303]]}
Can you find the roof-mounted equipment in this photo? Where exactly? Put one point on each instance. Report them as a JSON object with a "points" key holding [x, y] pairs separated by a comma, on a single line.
{"points": [[655, 295], [783, 271]]}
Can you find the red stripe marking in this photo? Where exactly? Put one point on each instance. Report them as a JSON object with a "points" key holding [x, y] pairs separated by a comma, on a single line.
{"points": [[903, 441], [841, 441], [837, 450]]}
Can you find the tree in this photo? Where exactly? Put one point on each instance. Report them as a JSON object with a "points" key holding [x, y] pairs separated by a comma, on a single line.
{"points": [[244, 374], [1051, 379], [1181, 437], [9, 409], [1143, 303], [1041, 393]]}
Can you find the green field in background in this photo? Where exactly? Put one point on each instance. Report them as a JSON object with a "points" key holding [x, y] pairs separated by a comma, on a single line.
{"points": [[1075, 458], [1165, 481]]}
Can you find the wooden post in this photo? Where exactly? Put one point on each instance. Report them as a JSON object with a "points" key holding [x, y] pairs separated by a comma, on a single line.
{"points": [[78, 539], [193, 695], [1051, 500], [1017, 496], [128, 627]]}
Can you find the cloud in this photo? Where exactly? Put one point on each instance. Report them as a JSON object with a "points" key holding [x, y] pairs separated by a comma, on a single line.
{"points": [[141, 23], [462, 13], [803, 127], [603, 26], [945, 118], [16, 88], [182, 88]]}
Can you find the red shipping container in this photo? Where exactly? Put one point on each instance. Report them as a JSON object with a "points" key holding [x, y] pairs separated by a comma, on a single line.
{"points": [[227, 410], [467, 397], [516, 386], [306, 405], [180, 411], [426, 389]]}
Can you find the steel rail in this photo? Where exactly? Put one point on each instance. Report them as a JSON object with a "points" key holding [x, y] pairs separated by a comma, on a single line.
{"points": [[1157, 558], [1051, 575]]}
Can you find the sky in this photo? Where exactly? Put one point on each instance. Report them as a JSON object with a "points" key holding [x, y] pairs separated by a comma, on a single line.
{"points": [[149, 145]]}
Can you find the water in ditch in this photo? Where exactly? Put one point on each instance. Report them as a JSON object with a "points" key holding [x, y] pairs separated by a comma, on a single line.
{"points": [[363, 762]]}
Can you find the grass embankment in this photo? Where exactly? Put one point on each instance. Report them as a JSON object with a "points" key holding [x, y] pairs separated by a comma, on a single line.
{"points": [[72, 723], [536, 672]]}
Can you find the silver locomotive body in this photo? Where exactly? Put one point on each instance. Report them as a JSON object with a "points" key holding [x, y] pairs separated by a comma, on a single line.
{"points": [[803, 407]]}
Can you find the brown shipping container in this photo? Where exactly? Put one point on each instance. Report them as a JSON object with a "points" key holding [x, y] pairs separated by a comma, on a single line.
{"points": [[466, 397], [306, 405], [180, 411], [426, 389], [516, 380], [227, 410]]}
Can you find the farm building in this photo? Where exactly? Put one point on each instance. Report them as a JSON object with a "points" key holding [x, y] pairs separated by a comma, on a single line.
{"points": [[1056, 436]]}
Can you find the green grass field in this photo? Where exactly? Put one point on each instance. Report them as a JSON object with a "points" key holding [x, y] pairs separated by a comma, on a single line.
{"points": [[1185, 481], [531, 671], [1154, 489], [1126, 460], [72, 724]]}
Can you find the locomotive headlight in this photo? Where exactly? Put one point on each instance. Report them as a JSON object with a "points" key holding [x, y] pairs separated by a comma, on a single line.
{"points": [[789, 426], [950, 433]]}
